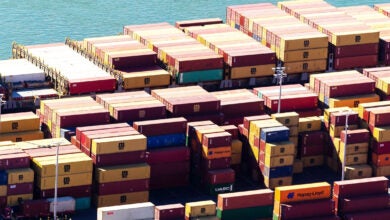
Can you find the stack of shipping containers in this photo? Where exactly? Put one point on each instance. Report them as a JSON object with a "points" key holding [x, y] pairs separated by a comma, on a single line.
{"points": [[167, 153], [21, 126], [352, 43], [186, 59], [135, 62], [72, 73], [236, 151], [381, 76], [243, 57], [299, 48]]}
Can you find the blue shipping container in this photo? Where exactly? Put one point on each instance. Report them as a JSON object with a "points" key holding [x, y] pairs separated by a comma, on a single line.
{"points": [[275, 134], [3, 177], [276, 172], [168, 140], [83, 203]]}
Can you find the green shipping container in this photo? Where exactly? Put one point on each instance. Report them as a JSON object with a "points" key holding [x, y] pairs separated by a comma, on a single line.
{"points": [[275, 217], [199, 76], [246, 213], [83, 203], [219, 188]]}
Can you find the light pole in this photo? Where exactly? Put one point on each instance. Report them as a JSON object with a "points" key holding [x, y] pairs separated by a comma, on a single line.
{"points": [[345, 145], [1, 105], [279, 76]]}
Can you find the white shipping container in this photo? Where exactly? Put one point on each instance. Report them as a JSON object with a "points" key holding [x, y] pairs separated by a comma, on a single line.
{"points": [[137, 211], [64, 204], [20, 70], [32, 93]]}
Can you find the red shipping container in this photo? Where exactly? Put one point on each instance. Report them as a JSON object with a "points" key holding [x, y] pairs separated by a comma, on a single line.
{"points": [[80, 130], [123, 61], [306, 209], [34, 208], [194, 105], [138, 113], [238, 200], [311, 138], [355, 62], [76, 192], [169, 212], [248, 119], [132, 157], [85, 150], [161, 126], [355, 136], [220, 176], [309, 112], [379, 116], [293, 102], [13, 161], [87, 137], [166, 169], [83, 118], [170, 181], [360, 187], [167, 155], [348, 87], [191, 126], [121, 187], [74, 141], [20, 188], [90, 85], [220, 163], [366, 203], [354, 50], [339, 118], [219, 139], [243, 131], [363, 215], [380, 147], [231, 129], [314, 150]]}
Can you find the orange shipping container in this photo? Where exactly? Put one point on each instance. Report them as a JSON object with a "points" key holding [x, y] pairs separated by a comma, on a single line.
{"points": [[303, 192]]}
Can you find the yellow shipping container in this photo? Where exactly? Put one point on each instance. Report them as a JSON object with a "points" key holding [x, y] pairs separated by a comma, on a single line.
{"points": [[293, 131], [3, 190], [256, 126], [381, 171], [118, 144], [122, 173], [255, 151], [49, 102], [22, 175], [294, 140], [236, 146], [64, 181], [14, 200], [354, 159], [120, 199], [288, 119], [236, 159], [381, 134], [358, 171], [280, 148], [251, 71], [355, 37], [305, 66], [21, 136], [33, 144], [16, 122], [67, 164], [383, 84], [207, 130], [146, 79], [298, 166], [199, 209], [302, 55], [216, 152], [313, 161], [302, 192], [309, 124], [308, 41], [363, 106], [358, 148], [334, 131], [277, 161], [352, 101], [277, 182]]}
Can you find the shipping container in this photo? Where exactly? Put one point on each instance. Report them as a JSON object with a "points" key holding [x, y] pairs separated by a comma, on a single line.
{"points": [[302, 192], [126, 212], [171, 211], [361, 187], [199, 209], [122, 173]]}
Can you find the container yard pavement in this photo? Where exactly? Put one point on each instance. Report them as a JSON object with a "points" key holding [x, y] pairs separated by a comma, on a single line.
{"points": [[191, 194]]}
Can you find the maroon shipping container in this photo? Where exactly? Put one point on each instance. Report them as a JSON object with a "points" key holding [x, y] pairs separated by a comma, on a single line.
{"points": [[380, 147], [3, 201], [140, 112], [161, 126], [248, 119], [355, 136], [252, 105], [348, 87], [330, 217], [121, 187], [169, 212], [169, 181], [366, 203], [239, 200], [20, 188], [80, 130], [379, 116], [219, 139], [34, 208], [188, 63], [82, 118], [87, 137], [75, 191], [301, 210], [360, 187], [220, 163], [193, 105], [311, 138], [167, 155], [166, 169], [113, 159], [338, 118], [355, 62], [354, 50], [43, 152], [12, 161], [75, 142], [220, 176], [89, 85], [313, 150], [377, 214], [309, 112], [216, 118], [132, 59], [231, 129]]}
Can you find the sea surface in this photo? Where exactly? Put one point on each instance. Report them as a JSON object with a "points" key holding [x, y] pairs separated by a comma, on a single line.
{"points": [[35, 21]]}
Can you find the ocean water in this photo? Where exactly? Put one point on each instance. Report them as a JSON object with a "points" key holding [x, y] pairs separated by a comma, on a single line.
{"points": [[35, 21]]}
